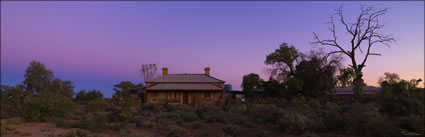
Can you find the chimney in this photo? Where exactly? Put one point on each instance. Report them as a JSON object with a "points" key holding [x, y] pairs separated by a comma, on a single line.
{"points": [[164, 71], [207, 71]]}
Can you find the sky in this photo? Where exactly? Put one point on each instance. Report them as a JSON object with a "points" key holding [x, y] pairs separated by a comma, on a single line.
{"points": [[97, 44]]}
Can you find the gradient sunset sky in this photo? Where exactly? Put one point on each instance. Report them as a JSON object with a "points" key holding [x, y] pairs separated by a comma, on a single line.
{"points": [[97, 44]]}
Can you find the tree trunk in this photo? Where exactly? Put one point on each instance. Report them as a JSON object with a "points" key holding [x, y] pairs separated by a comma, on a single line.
{"points": [[358, 82]]}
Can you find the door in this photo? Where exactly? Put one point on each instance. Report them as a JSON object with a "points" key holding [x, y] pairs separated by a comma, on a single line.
{"points": [[185, 98]]}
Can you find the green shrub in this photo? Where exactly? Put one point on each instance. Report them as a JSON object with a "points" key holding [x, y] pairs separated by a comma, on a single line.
{"points": [[176, 131], [97, 105], [78, 133], [94, 122], [365, 120], [48, 106], [402, 105], [152, 108], [413, 124], [189, 116], [242, 120], [217, 117], [205, 111], [9, 127], [146, 123], [169, 115], [117, 116], [128, 108], [14, 120], [170, 108], [332, 117], [212, 114], [232, 131], [265, 113], [84, 96], [294, 122]]}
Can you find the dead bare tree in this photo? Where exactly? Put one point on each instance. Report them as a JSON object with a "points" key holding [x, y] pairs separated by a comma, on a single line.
{"points": [[148, 71], [363, 32]]}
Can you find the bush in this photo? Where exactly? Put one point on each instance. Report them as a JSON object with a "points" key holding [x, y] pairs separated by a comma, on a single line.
{"points": [[398, 99], [401, 105], [147, 123], [176, 131], [9, 127], [98, 105], [78, 133], [294, 122], [127, 133], [88, 96], [48, 106], [332, 117], [128, 108], [189, 116], [413, 124], [94, 122], [205, 111], [152, 108], [243, 120], [14, 120], [265, 113], [232, 130], [365, 120], [63, 123]]}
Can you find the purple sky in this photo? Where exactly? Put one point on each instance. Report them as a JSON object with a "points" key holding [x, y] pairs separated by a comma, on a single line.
{"points": [[98, 44]]}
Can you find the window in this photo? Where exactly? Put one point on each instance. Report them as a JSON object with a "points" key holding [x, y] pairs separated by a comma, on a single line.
{"points": [[207, 95]]}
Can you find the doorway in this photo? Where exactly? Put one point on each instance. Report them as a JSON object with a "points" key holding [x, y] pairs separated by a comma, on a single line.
{"points": [[185, 98]]}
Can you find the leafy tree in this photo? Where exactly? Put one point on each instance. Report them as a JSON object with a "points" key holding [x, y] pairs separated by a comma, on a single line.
{"points": [[317, 73], [65, 88], [272, 88], [97, 105], [389, 79], [295, 85], [251, 83], [125, 90], [363, 32], [13, 99], [345, 77], [89, 95], [283, 61], [37, 77]]}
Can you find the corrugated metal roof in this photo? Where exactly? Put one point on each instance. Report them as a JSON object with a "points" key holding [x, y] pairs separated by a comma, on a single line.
{"points": [[349, 90], [182, 78], [184, 87]]}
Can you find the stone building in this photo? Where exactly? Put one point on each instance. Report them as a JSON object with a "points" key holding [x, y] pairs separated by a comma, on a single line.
{"points": [[185, 89]]}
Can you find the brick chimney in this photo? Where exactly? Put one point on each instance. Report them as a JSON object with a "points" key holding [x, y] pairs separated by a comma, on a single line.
{"points": [[164, 71], [207, 71]]}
